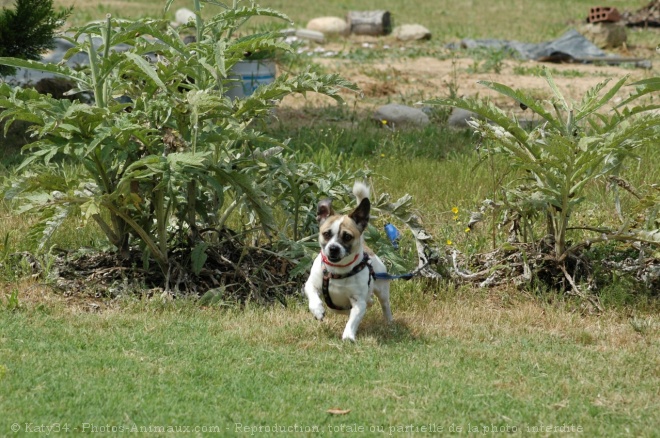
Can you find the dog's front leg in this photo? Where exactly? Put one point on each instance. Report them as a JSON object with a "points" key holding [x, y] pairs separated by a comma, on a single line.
{"points": [[313, 288], [358, 309], [315, 303]]}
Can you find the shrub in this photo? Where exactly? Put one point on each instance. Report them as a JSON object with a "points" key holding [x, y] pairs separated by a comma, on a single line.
{"points": [[176, 161], [28, 30], [575, 144]]}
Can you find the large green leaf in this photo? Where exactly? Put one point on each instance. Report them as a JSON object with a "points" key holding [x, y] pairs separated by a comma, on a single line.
{"points": [[489, 112], [56, 69], [591, 101], [147, 68], [245, 185], [553, 86], [644, 87], [525, 99], [198, 257], [230, 18]]}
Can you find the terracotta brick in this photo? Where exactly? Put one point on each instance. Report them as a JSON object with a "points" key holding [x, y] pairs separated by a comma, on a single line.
{"points": [[599, 14]]}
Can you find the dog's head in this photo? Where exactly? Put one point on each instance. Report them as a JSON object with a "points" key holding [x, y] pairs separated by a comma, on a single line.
{"points": [[340, 236]]}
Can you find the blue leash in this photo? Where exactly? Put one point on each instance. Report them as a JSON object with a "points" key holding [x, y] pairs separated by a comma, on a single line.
{"points": [[386, 276]]}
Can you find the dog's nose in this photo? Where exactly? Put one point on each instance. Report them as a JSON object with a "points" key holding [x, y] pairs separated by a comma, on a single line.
{"points": [[334, 253]]}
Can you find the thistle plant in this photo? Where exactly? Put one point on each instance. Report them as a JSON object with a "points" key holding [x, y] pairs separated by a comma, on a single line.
{"points": [[575, 144], [178, 158]]}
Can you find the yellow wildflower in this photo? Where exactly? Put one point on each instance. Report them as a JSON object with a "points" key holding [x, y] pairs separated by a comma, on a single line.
{"points": [[467, 230], [454, 210], [449, 242]]}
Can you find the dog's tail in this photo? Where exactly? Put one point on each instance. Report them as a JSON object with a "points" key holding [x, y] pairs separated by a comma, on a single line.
{"points": [[361, 191]]}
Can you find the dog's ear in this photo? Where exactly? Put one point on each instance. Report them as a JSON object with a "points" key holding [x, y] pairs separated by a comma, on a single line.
{"points": [[361, 214], [324, 210]]}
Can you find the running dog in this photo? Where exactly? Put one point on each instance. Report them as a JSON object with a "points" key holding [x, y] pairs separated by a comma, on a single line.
{"points": [[345, 272]]}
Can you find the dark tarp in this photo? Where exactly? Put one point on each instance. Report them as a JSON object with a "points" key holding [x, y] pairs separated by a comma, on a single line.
{"points": [[572, 44]]}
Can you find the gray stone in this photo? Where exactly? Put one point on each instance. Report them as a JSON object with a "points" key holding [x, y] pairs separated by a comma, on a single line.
{"points": [[411, 32], [312, 35], [329, 25], [396, 115], [459, 118]]}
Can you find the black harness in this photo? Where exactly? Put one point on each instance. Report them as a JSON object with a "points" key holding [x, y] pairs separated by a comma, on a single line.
{"points": [[327, 275]]}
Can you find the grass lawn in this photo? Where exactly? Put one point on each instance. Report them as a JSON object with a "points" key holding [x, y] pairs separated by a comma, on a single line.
{"points": [[453, 359]]}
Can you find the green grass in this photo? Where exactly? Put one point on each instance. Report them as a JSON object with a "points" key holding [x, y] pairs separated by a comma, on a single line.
{"points": [[537, 70], [457, 358]]}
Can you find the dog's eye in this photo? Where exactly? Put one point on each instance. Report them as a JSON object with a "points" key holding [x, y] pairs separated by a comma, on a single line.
{"points": [[327, 235], [347, 237]]}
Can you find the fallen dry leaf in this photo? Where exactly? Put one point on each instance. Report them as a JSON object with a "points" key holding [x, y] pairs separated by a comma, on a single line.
{"points": [[337, 411]]}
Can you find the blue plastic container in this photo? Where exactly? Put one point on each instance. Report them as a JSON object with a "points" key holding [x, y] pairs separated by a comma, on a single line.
{"points": [[393, 234]]}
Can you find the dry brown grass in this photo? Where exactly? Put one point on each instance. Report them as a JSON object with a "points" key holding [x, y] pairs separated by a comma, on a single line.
{"points": [[418, 316]]}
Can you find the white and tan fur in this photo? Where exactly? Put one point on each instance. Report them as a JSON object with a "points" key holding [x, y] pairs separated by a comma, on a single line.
{"points": [[342, 244]]}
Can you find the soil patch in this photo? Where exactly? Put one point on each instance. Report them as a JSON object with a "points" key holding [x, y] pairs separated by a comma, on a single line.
{"points": [[409, 81]]}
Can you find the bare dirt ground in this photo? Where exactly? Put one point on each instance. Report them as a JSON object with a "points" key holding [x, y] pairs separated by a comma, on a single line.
{"points": [[410, 80]]}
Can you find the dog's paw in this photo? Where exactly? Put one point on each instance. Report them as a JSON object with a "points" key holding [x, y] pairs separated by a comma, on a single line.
{"points": [[349, 335], [318, 312]]}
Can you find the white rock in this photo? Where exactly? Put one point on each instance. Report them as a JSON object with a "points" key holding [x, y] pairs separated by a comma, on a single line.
{"points": [[411, 32], [183, 15], [396, 115], [329, 25]]}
